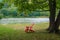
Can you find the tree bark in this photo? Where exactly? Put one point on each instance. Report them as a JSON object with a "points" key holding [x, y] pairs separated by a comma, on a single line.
{"points": [[57, 23], [52, 6], [54, 24]]}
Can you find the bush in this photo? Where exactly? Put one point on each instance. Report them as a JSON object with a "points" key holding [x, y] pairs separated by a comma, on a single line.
{"points": [[1, 16]]}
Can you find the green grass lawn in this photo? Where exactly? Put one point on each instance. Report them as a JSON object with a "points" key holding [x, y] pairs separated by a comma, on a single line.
{"points": [[16, 32]]}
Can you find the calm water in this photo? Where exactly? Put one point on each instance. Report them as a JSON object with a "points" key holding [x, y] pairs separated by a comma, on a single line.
{"points": [[23, 20]]}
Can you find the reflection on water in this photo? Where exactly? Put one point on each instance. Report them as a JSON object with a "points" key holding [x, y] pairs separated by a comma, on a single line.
{"points": [[23, 20]]}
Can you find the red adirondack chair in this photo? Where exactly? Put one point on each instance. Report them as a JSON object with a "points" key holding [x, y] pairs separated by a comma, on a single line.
{"points": [[29, 28]]}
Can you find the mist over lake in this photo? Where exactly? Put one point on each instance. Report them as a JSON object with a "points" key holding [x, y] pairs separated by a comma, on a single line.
{"points": [[23, 20]]}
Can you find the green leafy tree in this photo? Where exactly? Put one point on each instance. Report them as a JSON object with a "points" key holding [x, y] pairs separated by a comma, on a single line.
{"points": [[58, 4], [54, 22], [27, 6], [1, 5], [30, 5]]}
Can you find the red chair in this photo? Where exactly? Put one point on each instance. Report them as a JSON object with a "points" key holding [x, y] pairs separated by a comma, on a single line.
{"points": [[29, 28]]}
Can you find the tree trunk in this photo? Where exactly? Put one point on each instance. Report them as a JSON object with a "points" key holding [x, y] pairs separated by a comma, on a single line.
{"points": [[54, 24], [57, 23], [52, 6]]}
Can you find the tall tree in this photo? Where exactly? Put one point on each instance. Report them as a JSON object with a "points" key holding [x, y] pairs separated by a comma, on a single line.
{"points": [[54, 23], [30, 5], [52, 6], [26, 6], [1, 6], [57, 23]]}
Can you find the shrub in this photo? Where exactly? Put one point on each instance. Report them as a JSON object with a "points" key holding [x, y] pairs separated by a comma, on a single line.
{"points": [[1, 16]]}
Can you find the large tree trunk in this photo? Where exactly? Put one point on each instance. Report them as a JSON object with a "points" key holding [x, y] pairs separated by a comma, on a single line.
{"points": [[52, 6], [55, 26], [57, 23]]}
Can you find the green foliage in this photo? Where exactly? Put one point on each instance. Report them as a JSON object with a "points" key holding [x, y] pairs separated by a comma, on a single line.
{"points": [[1, 5], [24, 5], [27, 7], [58, 4], [9, 2], [10, 13], [1, 16], [40, 4]]}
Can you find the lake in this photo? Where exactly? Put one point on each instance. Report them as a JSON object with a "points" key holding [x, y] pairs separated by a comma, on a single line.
{"points": [[23, 20]]}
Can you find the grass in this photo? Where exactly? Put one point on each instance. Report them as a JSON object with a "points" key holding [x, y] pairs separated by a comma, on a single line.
{"points": [[16, 32]]}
